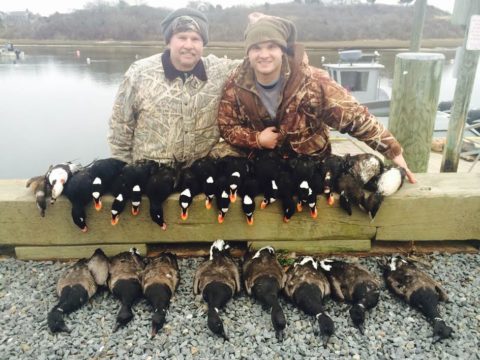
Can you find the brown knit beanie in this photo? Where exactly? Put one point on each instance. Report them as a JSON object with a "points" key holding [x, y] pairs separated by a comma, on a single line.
{"points": [[263, 28], [185, 19]]}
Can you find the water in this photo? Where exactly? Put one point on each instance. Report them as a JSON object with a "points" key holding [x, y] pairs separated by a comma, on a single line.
{"points": [[55, 107]]}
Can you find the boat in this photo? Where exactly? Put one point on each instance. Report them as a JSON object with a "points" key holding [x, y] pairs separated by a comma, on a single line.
{"points": [[11, 52]]}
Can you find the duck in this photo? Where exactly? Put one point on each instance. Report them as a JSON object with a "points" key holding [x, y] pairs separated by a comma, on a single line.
{"points": [[121, 193], [248, 191], [235, 169], [160, 185], [143, 169], [307, 287], [189, 187], [419, 290], [38, 184], [223, 197], [74, 288], [353, 283], [330, 170], [303, 168], [217, 279], [98, 265], [286, 191], [79, 191], [264, 278], [103, 172], [351, 193], [386, 184], [125, 283], [363, 167], [206, 171], [58, 175], [266, 167], [160, 280]]}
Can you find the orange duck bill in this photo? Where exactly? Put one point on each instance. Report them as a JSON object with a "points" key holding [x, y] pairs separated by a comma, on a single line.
{"points": [[184, 214], [299, 206], [233, 196], [97, 203], [135, 210], [330, 199], [313, 212], [221, 217], [250, 219], [208, 203], [115, 219]]}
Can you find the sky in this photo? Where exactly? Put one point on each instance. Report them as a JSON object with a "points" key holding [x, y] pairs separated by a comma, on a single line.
{"points": [[46, 8]]}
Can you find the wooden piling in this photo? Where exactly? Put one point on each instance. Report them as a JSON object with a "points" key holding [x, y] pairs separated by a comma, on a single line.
{"points": [[417, 28], [415, 91]]}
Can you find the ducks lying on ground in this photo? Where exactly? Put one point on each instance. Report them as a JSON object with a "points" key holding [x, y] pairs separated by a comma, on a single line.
{"points": [[217, 279], [306, 286], [418, 289], [353, 283], [125, 283], [159, 283], [264, 278]]}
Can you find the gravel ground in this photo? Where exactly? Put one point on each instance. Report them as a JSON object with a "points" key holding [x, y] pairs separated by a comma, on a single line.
{"points": [[392, 330]]}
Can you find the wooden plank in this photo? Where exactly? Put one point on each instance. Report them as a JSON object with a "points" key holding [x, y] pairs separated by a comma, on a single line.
{"points": [[73, 251], [315, 247]]}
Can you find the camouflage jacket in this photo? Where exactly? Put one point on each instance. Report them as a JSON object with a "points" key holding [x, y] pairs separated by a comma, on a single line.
{"points": [[160, 119], [311, 103]]}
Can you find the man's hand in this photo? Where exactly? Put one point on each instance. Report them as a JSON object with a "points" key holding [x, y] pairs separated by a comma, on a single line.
{"points": [[400, 161], [269, 137]]}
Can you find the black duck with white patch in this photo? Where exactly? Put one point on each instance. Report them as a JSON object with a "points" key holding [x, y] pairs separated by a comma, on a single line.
{"points": [[248, 191], [419, 290], [143, 169], [387, 184], [264, 278], [235, 169], [286, 192], [159, 282], [104, 171], [159, 187], [79, 191], [74, 288], [267, 166], [206, 172], [189, 187], [351, 193], [330, 170], [353, 283], [125, 283], [217, 279], [38, 184], [303, 169], [307, 287], [222, 197]]}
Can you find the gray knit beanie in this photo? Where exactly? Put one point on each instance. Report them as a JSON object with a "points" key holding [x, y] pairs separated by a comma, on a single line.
{"points": [[185, 19]]}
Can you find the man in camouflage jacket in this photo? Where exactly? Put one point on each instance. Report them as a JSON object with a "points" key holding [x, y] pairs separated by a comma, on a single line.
{"points": [[309, 102], [167, 104]]}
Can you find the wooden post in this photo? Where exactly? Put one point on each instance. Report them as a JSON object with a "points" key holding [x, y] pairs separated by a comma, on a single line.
{"points": [[415, 91], [461, 99], [417, 28]]}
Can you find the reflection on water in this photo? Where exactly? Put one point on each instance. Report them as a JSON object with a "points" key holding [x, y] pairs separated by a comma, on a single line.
{"points": [[55, 107]]}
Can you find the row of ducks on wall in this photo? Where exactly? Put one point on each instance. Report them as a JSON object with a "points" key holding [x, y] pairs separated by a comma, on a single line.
{"points": [[306, 283], [296, 182]]}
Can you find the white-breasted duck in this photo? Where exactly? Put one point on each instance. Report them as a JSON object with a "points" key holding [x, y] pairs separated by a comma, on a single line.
{"points": [[264, 278], [386, 184], [217, 279], [353, 283], [330, 170], [419, 290], [74, 288], [267, 165], [206, 171], [363, 167], [351, 193], [79, 191], [159, 282], [104, 171], [38, 184], [307, 287], [189, 187], [58, 175], [248, 191], [125, 283], [160, 185]]}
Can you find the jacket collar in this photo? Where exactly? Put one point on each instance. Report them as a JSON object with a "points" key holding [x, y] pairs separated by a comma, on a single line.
{"points": [[171, 72]]}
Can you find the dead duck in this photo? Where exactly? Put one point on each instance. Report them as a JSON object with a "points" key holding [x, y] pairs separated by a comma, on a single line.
{"points": [[419, 290], [248, 191], [363, 167], [387, 183], [286, 192], [121, 193], [125, 283], [351, 193], [235, 169], [160, 185], [159, 282], [98, 266], [103, 172], [307, 287], [79, 191], [264, 278], [353, 283], [223, 197], [266, 168], [74, 288], [142, 171], [38, 184], [205, 170], [330, 170], [217, 279], [303, 169], [189, 187], [58, 175]]}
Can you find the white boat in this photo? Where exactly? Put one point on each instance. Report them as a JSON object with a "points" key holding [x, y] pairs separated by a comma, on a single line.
{"points": [[11, 52]]}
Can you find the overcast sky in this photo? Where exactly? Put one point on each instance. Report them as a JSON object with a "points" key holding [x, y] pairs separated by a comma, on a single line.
{"points": [[50, 6]]}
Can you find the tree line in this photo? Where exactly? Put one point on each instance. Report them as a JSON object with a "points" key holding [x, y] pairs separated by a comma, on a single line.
{"points": [[314, 20]]}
